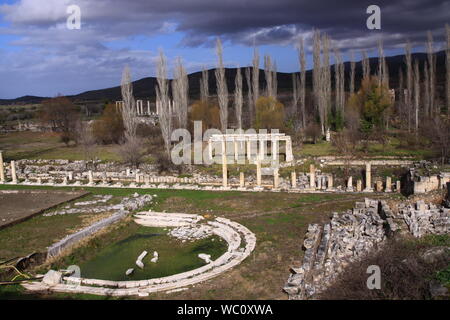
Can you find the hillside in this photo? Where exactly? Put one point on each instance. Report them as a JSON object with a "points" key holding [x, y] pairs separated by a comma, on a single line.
{"points": [[145, 88]]}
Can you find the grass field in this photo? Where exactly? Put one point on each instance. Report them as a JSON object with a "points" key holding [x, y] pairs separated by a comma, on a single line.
{"points": [[47, 145], [279, 221]]}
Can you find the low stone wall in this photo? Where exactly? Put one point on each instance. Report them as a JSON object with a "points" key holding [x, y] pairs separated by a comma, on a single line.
{"points": [[241, 242], [70, 240]]}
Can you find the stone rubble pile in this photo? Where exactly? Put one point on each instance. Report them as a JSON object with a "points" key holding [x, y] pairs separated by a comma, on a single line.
{"points": [[426, 219], [330, 248], [100, 199], [191, 232], [352, 235], [127, 204]]}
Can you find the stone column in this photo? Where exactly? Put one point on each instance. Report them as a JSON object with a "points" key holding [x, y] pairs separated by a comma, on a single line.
{"points": [[294, 180], [64, 181], [249, 150], [319, 183], [359, 185], [236, 151], [258, 172], [224, 165], [70, 175], [147, 180], [276, 178], [2, 168], [137, 179], [398, 186], [368, 178], [262, 149], [274, 149], [330, 182], [350, 184], [388, 185], [241, 180], [312, 176], [289, 156], [13, 172], [210, 149], [91, 177], [148, 108]]}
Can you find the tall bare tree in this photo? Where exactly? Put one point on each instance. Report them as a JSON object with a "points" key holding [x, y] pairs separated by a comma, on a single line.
{"points": [[317, 79], [274, 80], [249, 95], [326, 79], [129, 105], [416, 95], [163, 102], [222, 88], [255, 82], [295, 94], [302, 61], [447, 31], [204, 85], [432, 74], [409, 83], [352, 73], [426, 88], [365, 64], [269, 74], [180, 92], [238, 99], [339, 82]]}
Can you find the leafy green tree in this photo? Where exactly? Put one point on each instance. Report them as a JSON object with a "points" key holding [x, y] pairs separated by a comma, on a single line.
{"points": [[269, 114]]}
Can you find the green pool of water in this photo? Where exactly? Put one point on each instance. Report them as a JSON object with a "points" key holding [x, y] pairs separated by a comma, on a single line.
{"points": [[111, 261]]}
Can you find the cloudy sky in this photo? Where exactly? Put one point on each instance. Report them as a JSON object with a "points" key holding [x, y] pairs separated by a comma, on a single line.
{"points": [[39, 55]]}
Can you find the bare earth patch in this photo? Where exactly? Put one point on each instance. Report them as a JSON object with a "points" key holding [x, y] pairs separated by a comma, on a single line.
{"points": [[19, 205]]}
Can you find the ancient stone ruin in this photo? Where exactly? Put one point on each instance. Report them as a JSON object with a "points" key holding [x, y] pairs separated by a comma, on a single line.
{"points": [[352, 235]]}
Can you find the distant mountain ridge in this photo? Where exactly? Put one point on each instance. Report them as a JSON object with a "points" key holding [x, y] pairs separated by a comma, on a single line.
{"points": [[145, 88]]}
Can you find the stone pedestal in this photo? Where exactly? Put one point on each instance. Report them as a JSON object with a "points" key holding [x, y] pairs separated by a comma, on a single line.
{"points": [[350, 184], [276, 178], [224, 165], [294, 180], [2, 168], [258, 173], [13, 172], [368, 178], [359, 185], [312, 176], [388, 185], [91, 177]]}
